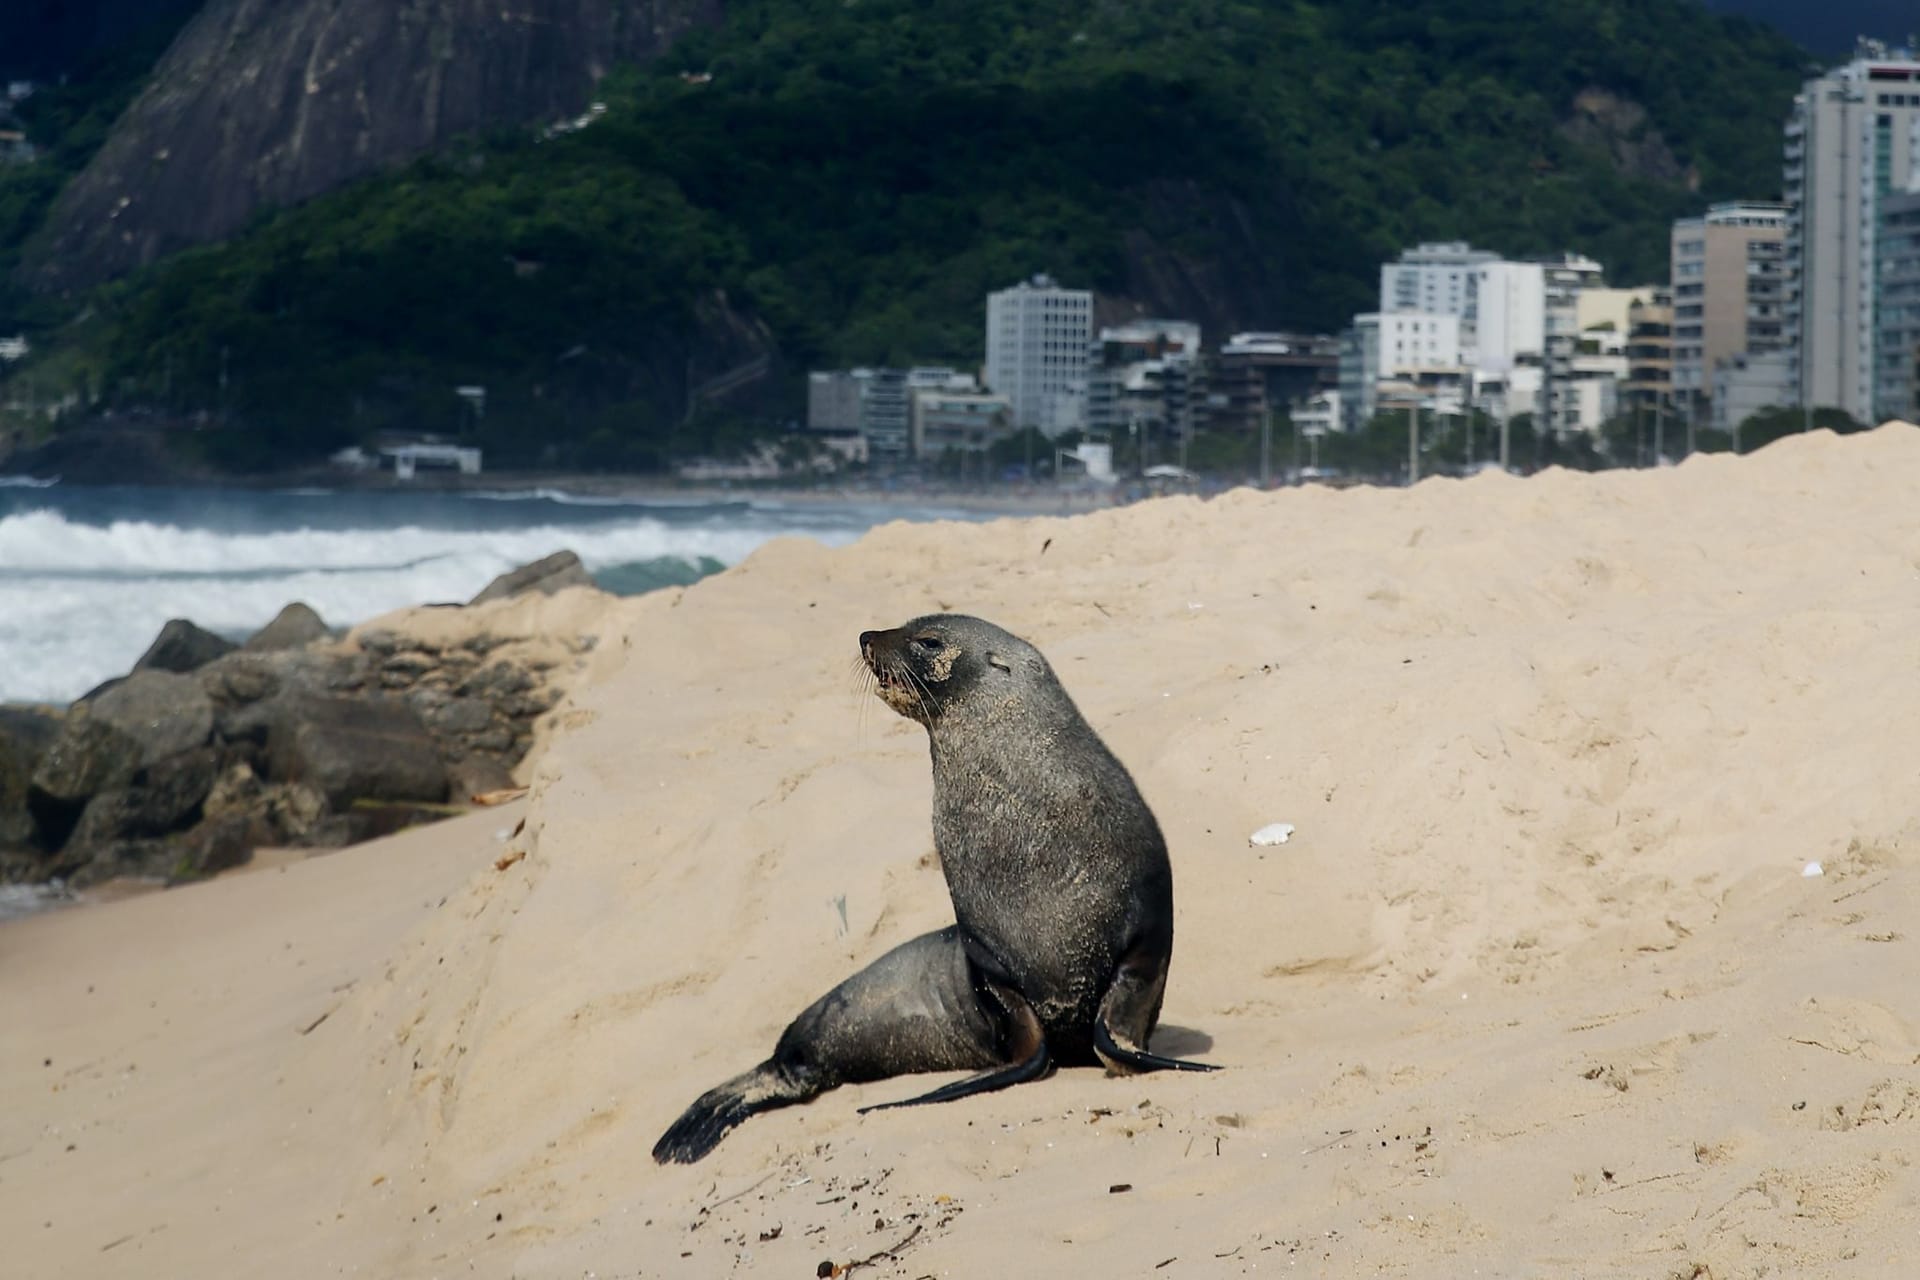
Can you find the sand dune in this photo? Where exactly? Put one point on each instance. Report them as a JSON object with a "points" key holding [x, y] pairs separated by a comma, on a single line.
{"points": [[1538, 987]]}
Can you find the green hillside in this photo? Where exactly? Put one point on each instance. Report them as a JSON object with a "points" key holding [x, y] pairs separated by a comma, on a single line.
{"points": [[858, 173]]}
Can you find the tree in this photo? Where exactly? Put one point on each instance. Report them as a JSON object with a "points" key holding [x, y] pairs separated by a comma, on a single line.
{"points": [[1768, 425]]}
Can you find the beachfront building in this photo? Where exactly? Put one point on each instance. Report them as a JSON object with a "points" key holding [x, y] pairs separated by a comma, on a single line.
{"points": [[1747, 383], [1038, 338], [1562, 407], [1896, 393], [1506, 319], [966, 421], [1433, 277], [1601, 309], [833, 402], [1145, 376], [1850, 142], [875, 407], [1729, 273], [1391, 345], [1255, 374], [1649, 384]]}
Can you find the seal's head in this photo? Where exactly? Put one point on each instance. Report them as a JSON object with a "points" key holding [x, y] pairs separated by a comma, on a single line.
{"points": [[931, 665]]}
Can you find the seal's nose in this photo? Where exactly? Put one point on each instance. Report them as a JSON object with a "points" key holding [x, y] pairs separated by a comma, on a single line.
{"points": [[866, 640]]}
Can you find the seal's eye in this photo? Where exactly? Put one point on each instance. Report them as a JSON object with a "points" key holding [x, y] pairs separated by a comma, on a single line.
{"points": [[926, 644]]}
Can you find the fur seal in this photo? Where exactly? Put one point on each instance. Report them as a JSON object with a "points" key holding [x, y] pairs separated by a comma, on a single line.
{"points": [[1062, 893]]}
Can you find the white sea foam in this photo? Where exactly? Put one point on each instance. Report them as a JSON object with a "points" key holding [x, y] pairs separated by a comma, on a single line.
{"points": [[80, 602]]}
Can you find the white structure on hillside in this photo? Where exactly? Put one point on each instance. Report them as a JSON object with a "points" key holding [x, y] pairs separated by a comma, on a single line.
{"points": [[1039, 336], [1852, 138]]}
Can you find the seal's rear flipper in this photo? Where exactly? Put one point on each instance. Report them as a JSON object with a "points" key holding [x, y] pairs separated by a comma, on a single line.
{"points": [[1127, 1061], [1031, 1067], [702, 1125]]}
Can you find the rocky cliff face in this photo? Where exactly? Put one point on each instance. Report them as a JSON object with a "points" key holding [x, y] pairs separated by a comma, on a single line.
{"points": [[265, 103]]}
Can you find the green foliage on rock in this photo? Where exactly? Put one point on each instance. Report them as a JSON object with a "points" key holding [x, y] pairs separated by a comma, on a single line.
{"points": [[857, 176]]}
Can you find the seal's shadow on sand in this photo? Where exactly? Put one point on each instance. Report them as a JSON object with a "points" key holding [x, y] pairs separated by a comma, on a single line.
{"points": [[1180, 1042]]}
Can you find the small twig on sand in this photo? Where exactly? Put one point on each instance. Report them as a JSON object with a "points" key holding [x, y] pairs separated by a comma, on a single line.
{"points": [[747, 1190], [1344, 1133], [892, 1251]]}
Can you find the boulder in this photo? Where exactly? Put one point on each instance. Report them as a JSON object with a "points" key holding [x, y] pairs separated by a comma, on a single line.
{"points": [[161, 712], [284, 813], [558, 571], [157, 800], [294, 627], [96, 864], [181, 646], [89, 756], [25, 735], [350, 749], [475, 776]]}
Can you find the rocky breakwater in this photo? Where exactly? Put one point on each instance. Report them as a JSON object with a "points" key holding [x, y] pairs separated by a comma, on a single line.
{"points": [[208, 750]]}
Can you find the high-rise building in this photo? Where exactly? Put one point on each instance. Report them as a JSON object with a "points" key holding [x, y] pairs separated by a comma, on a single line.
{"points": [[1038, 338], [1506, 316], [1563, 278], [1434, 277], [1850, 141], [1144, 375], [1729, 272], [1896, 390], [1649, 385], [1254, 375], [1392, 344]]}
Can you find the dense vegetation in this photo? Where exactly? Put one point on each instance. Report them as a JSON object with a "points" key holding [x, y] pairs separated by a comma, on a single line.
{"points": [[68, 120], [858, 175]]}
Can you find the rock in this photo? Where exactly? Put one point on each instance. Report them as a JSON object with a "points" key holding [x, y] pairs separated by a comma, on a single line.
{"points": [[89, 756], [240, 679], [181, 646], [96, 864], [158, 800], [224, 842], [294, 627], [352, 748], [498, 680], [557, 572], [460, 715], [281, 812], [476, 775], [163, 713], [25, 735]]}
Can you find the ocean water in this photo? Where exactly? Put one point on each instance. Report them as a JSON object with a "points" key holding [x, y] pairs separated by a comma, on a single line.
{"points": [[88, 576]]}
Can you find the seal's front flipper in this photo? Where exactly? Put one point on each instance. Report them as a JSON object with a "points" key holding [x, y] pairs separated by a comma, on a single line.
{"points": [[1125, 1060], [1130, 1009], [1028, 1041]]}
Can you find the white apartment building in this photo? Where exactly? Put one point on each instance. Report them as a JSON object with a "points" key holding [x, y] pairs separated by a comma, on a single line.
{"points": [[1508, 318], [1562, 408], [1434, 277], [1852, 137], [1039, 336], [1391, 344]]}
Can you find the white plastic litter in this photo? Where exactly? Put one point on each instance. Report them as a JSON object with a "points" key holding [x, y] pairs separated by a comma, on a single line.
{"points": [[1811, 870], [1272, 833]]}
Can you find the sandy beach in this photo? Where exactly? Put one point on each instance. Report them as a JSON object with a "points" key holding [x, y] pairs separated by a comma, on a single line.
{"points": [[1545, 983]]}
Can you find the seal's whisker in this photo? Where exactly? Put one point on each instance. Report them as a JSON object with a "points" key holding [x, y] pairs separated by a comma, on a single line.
{"points": [[921, 693]]}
